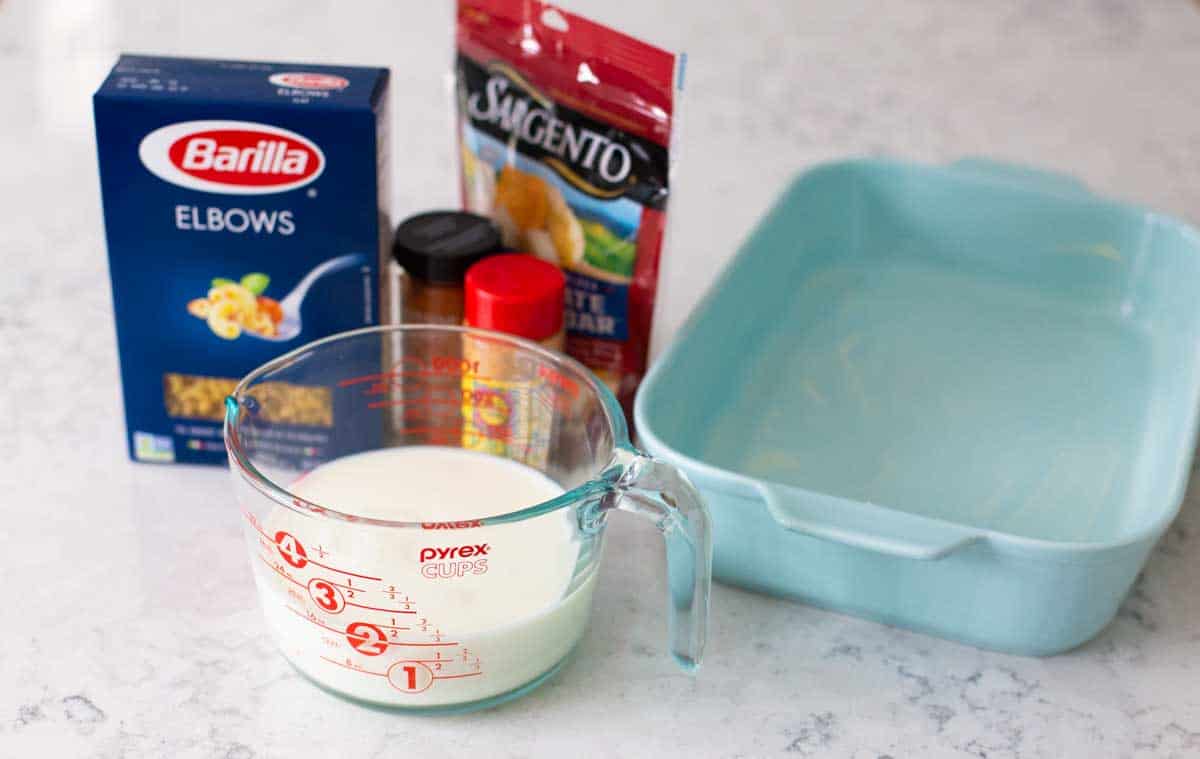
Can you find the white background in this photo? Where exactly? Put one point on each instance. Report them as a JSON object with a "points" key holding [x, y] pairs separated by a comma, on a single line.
{"points": [[1102, 89], [128, 624]]}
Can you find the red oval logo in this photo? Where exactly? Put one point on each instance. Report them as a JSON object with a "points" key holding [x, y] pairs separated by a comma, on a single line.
{"points": [[244, 158], [306, 80], [234, 157]]}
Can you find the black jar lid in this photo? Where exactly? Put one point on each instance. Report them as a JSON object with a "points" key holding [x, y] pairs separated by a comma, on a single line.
{"points": [[439, 246]]}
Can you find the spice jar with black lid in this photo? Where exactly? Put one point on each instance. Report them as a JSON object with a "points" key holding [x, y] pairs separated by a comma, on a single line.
{"points": [[432, 252]]}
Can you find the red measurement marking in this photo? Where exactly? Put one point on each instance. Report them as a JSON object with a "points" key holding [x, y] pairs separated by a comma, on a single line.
{"points": [[433, 661], [325, 595], [254, 523], [430, 431], [304, 554], [280, 572], [455, 677], [457, 432], [401, 643], [451, 373], [366, 638], [558, 381], [410, 676], [353, 668], [290, 549], [344, 571], [318, 623], [415, 403], [379, 608]]}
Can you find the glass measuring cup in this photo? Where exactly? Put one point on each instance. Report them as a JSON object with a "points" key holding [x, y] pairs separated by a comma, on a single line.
{"points": [[430, 614]]}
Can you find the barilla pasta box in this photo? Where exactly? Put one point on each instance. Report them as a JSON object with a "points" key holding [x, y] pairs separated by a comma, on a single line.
{"points": [[245, 210]]}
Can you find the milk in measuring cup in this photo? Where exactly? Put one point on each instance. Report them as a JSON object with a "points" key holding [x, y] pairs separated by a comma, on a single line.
{"points": [[452, 612]]}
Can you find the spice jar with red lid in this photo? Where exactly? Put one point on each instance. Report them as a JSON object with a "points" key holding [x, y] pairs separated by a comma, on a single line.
{"points": [[519, 294], [507, 409]]}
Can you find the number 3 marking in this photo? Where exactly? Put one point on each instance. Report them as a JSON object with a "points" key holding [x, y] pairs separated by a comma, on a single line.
{"points": [[325, 595]]}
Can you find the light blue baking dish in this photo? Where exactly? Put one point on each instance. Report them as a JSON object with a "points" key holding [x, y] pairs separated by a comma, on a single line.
{"points": [[960, 399]]}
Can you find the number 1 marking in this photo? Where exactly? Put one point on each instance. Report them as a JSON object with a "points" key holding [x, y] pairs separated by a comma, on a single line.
{"points": [[410, 676]]}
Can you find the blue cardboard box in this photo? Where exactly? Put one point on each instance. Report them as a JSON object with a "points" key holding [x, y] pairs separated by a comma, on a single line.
{"points": [[245, 210]]}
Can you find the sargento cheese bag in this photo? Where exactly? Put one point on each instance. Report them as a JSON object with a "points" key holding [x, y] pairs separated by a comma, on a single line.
{"points": [[565, 135]]}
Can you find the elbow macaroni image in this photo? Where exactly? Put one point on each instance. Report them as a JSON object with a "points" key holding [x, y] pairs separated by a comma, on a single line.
{"points": [[189, 396], [233, 307]]}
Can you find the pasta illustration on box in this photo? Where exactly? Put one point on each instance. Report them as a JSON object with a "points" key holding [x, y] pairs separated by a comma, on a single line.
{"points": [[232, 307]]}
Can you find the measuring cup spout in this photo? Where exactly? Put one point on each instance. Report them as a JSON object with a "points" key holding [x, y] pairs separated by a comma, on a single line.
{"points": [[662, 494]]}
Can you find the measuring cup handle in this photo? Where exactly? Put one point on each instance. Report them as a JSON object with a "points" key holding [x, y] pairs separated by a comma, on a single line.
{"points": [[661, 493]]}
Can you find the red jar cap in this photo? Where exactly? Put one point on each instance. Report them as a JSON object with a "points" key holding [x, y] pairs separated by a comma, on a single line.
{"points": [[515, 293]]}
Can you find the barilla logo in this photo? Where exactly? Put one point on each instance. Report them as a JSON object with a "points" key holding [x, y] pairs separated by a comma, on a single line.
{"points": [[453, 552], [305, 80], [231, 157]]}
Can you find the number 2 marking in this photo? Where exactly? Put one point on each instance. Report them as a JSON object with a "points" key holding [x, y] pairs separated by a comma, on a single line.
{"points": [[366, 638]]}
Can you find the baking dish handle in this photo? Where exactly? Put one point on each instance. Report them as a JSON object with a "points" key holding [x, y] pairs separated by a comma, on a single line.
{"points": [[1025, 177], [864, 525]]}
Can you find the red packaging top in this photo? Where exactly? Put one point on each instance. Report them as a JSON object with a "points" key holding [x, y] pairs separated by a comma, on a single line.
{"points": [[516, 293], [590, 67]]}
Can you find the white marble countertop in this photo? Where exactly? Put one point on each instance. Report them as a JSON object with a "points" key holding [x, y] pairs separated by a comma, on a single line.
{"points": [[128, 621]]}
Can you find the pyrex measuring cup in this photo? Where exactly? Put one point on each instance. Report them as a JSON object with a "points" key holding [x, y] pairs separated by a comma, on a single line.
{"points": [[430, 614]]}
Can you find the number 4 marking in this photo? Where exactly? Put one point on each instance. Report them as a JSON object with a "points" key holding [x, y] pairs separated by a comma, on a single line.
{"points": [[290, 549]]}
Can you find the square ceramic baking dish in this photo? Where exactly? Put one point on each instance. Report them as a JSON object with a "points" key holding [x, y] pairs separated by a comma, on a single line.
{"points": [[959, 399]]}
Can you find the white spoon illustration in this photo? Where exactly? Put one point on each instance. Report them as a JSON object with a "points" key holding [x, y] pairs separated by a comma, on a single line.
{"points": [[289, 326]]}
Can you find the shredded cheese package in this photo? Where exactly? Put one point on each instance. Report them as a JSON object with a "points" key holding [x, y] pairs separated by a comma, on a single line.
{"points": [[565, 136]]}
